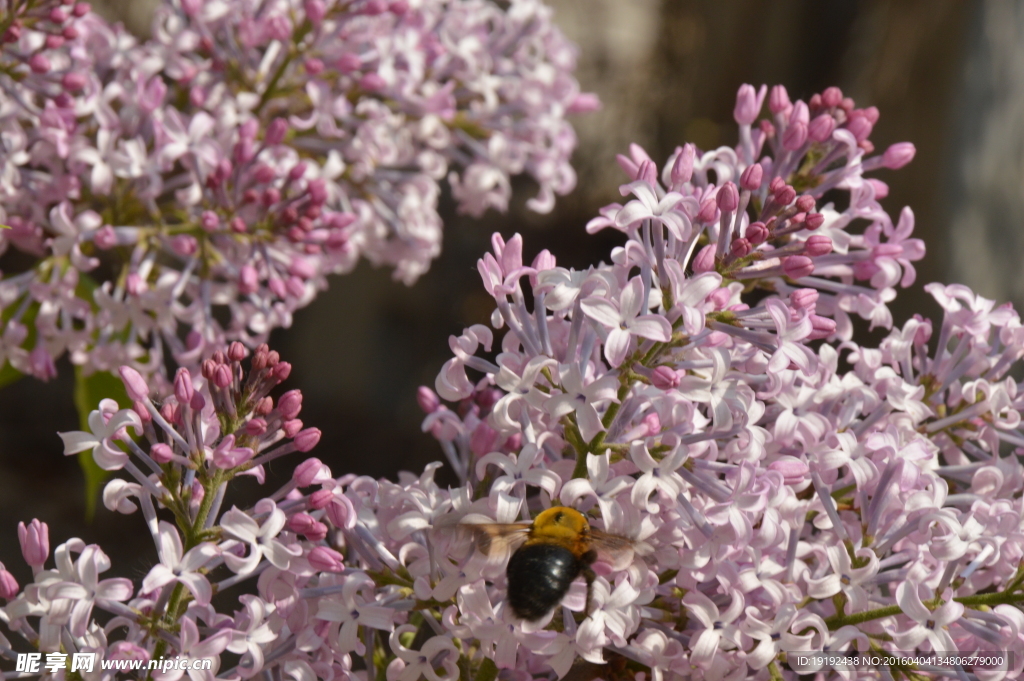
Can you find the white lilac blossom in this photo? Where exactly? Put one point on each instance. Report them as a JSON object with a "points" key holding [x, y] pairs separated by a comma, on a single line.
{"points": [[789, 489], [175, 194]]}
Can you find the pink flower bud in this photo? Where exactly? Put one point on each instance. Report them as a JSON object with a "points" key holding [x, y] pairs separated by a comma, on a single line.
{"points": [[222, 376], [756, 233], [105, 237], [751, 177], [708, 211], [126, 650], [325, 559], [813, 220], [341, 512], [300, 522], [290, 404], [237, 352], [161, 453], [653, 423], [315, 10], [821, 128], [255, 427], [585, 102], [198, 402], [310, 471], [134, 383], [316, 532], [682, 168], [73, 81], [793, 470], [739, 248], [785, 195], [238, 225], [35, 542], [291, 428], [871, 113], [794, 136], [39, 63], [306, 439], [184, 244], [832, 97], [276, 131], [778, 100], [427, 399], [805, 203], [320, 499], [898, 155], [209, 221], [860, 127], [797, 266], [823, 327], [81, 9], [349, 62], [8, 584], [664, 378], [248, 279], [705, 260], [818, 245], [183, 389], [483, 439], [140, 409], [803, 299], [748, 104], [728, 199], [371, 82], [313, 66]]}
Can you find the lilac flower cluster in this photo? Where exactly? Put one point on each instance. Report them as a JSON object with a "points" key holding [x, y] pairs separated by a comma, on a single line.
{"points": [[784, 495], [203, 183]]}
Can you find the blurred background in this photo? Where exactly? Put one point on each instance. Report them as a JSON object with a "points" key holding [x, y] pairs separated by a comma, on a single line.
{"points": [[946, 75]]}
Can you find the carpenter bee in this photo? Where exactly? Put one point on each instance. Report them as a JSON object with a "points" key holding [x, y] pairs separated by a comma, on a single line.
{"points": [[548, 555]]}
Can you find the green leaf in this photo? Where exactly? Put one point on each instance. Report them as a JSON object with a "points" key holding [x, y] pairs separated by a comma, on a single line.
{"points": [[89, 390]]}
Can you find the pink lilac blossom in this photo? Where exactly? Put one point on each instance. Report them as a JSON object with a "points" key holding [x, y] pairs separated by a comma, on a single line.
{"points": [[788, 489], [196, 188]]}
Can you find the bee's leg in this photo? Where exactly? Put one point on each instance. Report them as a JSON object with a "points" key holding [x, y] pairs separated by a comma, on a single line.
{"points": [[586, 561], [588, 575]]}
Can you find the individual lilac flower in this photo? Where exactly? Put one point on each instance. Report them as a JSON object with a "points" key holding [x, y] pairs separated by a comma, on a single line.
{"points": [[87, 590], [261, 540], [582, 399], [181, 567], [625, 320], [105, 425], [351, 611], [194, 648], [410, 665]]}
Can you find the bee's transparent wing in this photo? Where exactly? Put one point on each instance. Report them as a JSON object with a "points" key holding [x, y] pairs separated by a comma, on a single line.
{"points": [[495, 541], [617, 551]]}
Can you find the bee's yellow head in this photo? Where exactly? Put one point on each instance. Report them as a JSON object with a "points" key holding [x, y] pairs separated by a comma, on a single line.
{"points": [[561, 525]]}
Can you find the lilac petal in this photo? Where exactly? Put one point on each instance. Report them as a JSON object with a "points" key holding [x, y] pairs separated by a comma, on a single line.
{"points": [[199, 586], [616, 347], [78, 441], [198, 556], [239, 525], [601, 311], [589, 422], [631, 301], [115, 589], [652, 326], [158, 576]]}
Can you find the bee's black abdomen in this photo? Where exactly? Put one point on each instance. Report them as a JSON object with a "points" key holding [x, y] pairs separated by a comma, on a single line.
{"points": [[538, 577]]}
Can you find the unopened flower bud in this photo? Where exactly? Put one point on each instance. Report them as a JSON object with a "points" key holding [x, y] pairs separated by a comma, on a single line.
{"points": [[276, 131], [198, 402], [813, 220], [751, 177], [315, 10], [664, 378], [793, 470], [255, 427], [797, 266], [35, 542], [739, 248], [310, 471], [682, 169], [805, 203], [290, 404], [898, 155], [794, 136], [818, 245], [325, 559], [785, 195], [728, 199], [300, 522], [313, 66], [73, 81], [748, 104], [183, 389], [372, 82], [427, 399], [39, 63], [860, 127], [320, 499], [708, 211], [316, 532], [823, 327], [306, 439], [134, 383], [820, 129], [8, 584], [803, 298], [832, 97], [341, 512], [161, 453], [778, 100], [222, 376], [705, 260], [756, 233], [291, 428]]}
